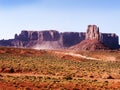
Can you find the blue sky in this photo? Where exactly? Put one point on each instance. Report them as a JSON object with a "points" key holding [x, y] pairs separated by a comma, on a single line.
{"points": [[61, 15]]}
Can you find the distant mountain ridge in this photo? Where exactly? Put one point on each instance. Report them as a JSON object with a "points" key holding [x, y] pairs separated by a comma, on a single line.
{"points": [[52, 39]]}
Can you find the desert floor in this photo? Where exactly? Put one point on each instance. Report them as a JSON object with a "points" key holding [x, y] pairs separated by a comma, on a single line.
{"points": [[28, 69]]}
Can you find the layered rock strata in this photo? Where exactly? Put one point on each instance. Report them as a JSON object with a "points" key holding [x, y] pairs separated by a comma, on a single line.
{"points": [[95, 40], [52, 39]]}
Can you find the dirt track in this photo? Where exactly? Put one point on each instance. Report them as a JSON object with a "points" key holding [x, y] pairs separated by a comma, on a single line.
{"points": [[76, 55]]}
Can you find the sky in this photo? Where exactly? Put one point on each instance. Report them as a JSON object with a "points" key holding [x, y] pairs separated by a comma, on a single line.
{"points": [[61, 15]]}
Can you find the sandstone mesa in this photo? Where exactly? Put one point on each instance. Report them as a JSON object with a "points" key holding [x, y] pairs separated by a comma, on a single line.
{"points": [[92, 39]]}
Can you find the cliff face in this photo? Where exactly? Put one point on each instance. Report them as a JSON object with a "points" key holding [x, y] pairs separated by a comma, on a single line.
{"points": [[72, 38], [53, 39], [95, 40], [110, 40], [38, 39], [93, 33], [92, 40]]}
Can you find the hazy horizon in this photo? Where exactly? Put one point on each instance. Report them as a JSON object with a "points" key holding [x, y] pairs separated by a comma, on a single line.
{"points": [[61, 15]]}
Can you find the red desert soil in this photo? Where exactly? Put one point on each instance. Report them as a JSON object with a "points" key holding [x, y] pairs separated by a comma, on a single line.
{"points": [[34, 86]]}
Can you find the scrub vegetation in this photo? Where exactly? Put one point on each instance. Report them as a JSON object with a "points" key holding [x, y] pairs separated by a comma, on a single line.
{"points": [[27, 69]]}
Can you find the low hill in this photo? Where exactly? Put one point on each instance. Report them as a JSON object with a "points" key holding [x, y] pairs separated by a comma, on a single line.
{"points": [[89, 45]]}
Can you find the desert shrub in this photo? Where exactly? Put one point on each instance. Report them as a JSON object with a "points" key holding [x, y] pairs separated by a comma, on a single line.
{"points": [[68, 77]]}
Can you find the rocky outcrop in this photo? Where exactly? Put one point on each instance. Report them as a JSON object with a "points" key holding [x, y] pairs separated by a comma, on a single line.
{"points": [[72, 38], [38, 39], [52, 39], [110, 40], [97, 41], [92, 33]]}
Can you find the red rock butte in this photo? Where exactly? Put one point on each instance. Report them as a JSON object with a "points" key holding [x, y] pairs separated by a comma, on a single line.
{"points": [[93, 32], [52, 39]]}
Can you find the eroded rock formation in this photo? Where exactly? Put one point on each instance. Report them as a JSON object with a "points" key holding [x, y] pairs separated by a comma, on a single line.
{"points": [[92, 33], [110, 40], [52, 39], [95, 40]]}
